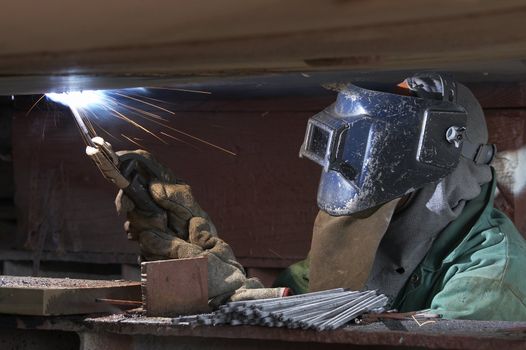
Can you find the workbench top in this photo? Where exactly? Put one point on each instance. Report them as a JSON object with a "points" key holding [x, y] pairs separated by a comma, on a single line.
{"points": [[138, 332]]}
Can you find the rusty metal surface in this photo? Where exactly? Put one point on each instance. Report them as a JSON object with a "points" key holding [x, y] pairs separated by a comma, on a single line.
{"points": [[174, 287], [443, 334], [158, 332], [38, 340], [199, 39]]}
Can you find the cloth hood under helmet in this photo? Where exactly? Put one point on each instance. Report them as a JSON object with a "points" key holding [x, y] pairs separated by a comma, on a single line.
{"points": [[412, 231]]}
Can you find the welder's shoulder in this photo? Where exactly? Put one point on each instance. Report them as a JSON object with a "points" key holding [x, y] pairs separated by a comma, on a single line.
{"points": [[487, 280]]}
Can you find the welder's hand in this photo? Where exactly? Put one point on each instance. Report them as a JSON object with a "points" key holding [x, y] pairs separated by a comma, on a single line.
{"points": [[226, 277], [183, 230], [169, 193], [225, 274]]}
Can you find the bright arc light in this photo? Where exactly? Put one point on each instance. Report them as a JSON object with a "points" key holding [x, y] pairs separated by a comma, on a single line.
{"points": [[79, 99]]}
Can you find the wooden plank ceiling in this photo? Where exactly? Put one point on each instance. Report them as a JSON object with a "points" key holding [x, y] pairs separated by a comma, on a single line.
{"points": [[58, 44]]}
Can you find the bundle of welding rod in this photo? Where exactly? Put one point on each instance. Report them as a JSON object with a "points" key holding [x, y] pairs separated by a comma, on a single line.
{"points": [[323, 310]]}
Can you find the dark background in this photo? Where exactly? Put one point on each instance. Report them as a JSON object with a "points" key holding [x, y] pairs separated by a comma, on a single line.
{"points": [[262, 200]]}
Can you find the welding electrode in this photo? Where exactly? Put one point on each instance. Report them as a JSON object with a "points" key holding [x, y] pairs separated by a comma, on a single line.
{"points": [[329, 309]]}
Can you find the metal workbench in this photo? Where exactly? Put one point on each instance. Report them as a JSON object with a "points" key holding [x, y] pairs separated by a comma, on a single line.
{"points": [[137, 332]]}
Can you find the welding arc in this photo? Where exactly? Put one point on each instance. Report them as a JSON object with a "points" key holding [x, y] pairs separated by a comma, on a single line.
{"points": [[110, 103]]}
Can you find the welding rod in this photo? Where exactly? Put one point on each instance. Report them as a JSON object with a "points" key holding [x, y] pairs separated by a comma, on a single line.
{"points": [[309, 304], [323, 305], [358, 306], [320, 310], [337, 301], [350, 314], [281, 304], [332, 315], [342, 308], [310, 315], [277, 303], [362, 306], [299, 296]]}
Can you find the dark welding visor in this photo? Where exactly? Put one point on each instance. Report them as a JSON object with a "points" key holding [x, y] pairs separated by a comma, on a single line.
{"points": [[377, 146]]}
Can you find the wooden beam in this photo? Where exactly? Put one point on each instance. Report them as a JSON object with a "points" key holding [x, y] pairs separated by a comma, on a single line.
{"points": [[175, 287], [58, 296], [185, 39]]}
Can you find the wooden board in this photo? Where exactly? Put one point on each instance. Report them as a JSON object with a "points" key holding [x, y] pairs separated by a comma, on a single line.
{"points": [[175, 287], [58, 296]]}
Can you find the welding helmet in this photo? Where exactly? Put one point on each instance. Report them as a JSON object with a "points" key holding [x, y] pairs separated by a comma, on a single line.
{"points": [[375, 146]]}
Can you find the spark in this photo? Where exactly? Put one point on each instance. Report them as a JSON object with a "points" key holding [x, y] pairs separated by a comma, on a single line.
{"points": [[152, 99], [201, 140], [183, 90], [34, 104], [194, 137], [132, 141], [105, 131], [141, 111], [89, 105], [146, 103], [187, 135], [137, 125], [178, 139]]}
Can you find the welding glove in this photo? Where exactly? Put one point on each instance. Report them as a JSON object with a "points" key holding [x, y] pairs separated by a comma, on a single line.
{"points": [[227, 280], [184, 230], [343, 248], [172, 195]]}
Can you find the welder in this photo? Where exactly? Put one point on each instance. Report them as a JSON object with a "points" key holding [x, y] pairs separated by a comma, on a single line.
{"points": [[406, 198], [406, 207]]}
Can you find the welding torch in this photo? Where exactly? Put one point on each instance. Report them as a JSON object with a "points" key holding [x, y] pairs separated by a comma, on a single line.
{"points": [[124, 176]]}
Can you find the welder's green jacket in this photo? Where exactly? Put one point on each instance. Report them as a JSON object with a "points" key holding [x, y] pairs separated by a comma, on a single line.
{"points": [[475, 269]]}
